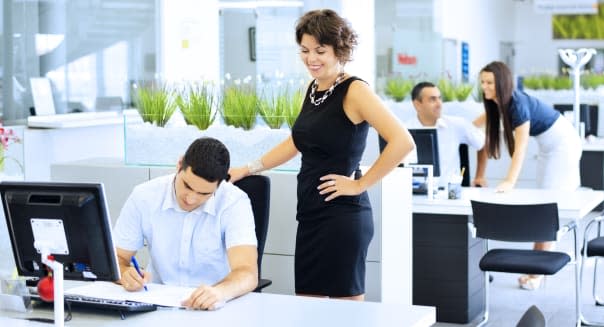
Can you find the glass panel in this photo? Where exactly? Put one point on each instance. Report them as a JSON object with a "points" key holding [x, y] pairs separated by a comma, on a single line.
{"points": [[92, 51]]}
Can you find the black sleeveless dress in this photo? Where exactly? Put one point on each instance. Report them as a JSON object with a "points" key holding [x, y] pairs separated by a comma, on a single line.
{"points": [[332, 237]]}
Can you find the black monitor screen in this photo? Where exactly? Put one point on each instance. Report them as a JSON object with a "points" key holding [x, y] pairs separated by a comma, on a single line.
{"points": [[588, 114], [426, 145], [70, 218]]}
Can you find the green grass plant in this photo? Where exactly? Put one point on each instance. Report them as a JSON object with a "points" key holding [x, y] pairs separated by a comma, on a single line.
{"points": [[562, 83], [592, 81], [397, 88], [462, 91], [272, 109], [293, 107], [447, 89], [155, 103], [239, 106], [196, 102]]}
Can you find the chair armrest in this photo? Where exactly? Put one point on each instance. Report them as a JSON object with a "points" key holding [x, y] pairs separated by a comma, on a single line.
{"points": [[262, 283], [572, 225], [595, 221]]}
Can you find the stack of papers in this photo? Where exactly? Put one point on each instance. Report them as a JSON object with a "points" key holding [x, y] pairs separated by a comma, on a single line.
{"points": [[159, 294]]}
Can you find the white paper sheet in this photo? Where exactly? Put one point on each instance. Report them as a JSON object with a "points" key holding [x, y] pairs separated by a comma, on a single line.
{"points": [[165, 295]]}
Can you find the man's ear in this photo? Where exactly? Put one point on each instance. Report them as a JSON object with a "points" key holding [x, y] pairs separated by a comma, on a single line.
{"points": [[179, 164]]}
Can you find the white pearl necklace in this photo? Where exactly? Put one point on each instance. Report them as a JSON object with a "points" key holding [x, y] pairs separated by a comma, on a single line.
{"points": [[314, 86]]}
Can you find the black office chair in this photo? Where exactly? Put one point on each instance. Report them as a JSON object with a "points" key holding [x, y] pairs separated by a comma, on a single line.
{"points": [[521, 223], [258, 189], [464, 164], [593, 248]]}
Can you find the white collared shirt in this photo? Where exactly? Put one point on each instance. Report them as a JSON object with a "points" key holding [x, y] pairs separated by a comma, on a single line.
{"points": [[186, 248], [452, 131]]}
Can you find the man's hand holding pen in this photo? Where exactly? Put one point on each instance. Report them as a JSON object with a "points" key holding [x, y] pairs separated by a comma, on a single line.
{"points": [[135, 279]]}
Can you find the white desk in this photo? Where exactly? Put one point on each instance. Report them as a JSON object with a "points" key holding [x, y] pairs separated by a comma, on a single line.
{"points": [[571, 205], [445, 256], [257, 309]]}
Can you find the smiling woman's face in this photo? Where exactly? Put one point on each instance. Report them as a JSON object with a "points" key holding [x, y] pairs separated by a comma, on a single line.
{"points": [[487, 83], [320, 60]]}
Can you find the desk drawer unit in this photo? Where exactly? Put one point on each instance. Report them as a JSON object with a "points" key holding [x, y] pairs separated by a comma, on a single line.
{"points": [[445, 267]]}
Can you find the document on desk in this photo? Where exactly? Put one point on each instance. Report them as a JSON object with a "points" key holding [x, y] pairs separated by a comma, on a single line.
{"points": [[164, 295]]}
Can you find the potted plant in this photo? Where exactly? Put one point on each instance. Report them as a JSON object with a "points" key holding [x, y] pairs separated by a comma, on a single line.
{"points": [[196, 103], [239, 106], [272, 110], [592, 81], [397, 88], [155, 103], [293, 105], [463, 91], [447, 90]]}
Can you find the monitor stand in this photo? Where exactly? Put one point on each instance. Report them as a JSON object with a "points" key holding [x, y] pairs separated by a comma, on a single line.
{"points": [[57, 278]]}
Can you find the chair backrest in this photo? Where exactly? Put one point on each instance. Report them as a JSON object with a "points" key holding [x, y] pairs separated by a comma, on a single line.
{"points": [[258, 189], [516, 222], [464, 163]]}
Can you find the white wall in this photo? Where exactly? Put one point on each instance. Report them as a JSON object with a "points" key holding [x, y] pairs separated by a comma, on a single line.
{"points": [[236, 57], [196, 23], [536, 51], [361, 16], [483, 24]]}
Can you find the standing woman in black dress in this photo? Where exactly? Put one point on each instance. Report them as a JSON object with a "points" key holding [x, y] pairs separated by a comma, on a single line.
{"points": [[335, 223]]}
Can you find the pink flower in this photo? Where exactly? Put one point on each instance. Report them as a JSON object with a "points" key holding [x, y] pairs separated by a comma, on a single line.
{"points": [[8, 136]]}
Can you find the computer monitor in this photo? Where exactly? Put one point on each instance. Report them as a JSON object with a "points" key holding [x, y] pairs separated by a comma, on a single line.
{"points": [[71, 219], [588, 114], [426, 146]]}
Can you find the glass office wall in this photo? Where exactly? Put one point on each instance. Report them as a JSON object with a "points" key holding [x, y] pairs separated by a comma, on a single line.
{"points": [[91, 51], [407, 40]]}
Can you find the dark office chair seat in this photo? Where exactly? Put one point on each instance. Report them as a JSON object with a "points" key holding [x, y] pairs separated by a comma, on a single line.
{"points": [[521, 223], [258, 189], [593, 248], [528, 261]]}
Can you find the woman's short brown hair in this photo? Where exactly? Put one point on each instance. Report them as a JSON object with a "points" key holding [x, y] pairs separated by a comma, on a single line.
{"points": [[328, 28]]}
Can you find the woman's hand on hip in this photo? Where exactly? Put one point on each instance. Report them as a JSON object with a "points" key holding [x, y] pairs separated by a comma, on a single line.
{"points": [[336, 185]]}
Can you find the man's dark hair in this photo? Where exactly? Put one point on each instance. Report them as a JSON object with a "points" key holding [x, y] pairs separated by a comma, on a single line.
{"points": [[208, 159], [417, 89]]}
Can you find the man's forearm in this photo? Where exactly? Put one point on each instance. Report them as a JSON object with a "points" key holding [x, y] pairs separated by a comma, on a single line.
{"points": [[238, 282]]}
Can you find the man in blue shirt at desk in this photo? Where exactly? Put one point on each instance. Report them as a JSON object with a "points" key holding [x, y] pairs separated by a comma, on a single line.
{"points": [[452, 131], [199, 229]]}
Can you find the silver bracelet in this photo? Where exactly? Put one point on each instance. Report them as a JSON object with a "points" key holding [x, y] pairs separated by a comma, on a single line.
{"points": [[255, 166]]}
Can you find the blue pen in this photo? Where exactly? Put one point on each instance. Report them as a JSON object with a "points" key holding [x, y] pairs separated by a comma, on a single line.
{"points": [[138, 270]]}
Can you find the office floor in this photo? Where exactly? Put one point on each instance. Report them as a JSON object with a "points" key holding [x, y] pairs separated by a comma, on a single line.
{"points": [[555, 298]]}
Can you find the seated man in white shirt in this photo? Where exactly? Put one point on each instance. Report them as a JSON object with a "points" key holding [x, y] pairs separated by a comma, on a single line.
{"points": [[199, 229], [452, 130]]}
